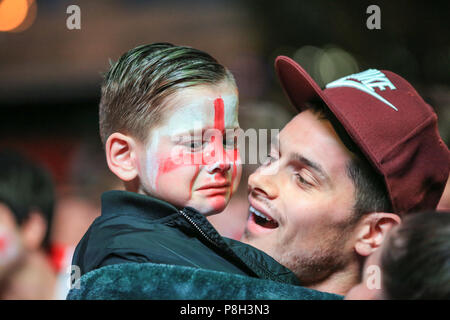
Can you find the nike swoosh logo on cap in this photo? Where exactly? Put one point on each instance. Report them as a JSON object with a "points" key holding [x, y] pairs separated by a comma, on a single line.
{"points": [[368, 80]]}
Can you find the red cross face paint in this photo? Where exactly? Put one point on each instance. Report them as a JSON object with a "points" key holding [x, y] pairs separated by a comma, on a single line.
{"points": [[192, 159]]}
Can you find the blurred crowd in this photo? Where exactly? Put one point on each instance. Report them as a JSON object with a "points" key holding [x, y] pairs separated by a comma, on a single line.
{"points": [[40, 225], [52, 166]]}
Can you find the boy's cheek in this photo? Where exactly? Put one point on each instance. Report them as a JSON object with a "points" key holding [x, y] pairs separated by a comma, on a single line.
{"points": [[176, 186]]}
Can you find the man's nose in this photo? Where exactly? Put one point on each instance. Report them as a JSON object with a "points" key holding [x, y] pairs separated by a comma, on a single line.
{"points": [[264, 185]]}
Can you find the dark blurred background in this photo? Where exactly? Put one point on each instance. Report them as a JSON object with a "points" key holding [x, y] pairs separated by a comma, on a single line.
{"points": [[50, 76]]}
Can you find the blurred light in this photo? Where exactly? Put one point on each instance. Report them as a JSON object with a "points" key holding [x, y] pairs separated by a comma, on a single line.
{"points": [[17, 15], [325, 65], [335, 63], [326, 68], [307, 57]]}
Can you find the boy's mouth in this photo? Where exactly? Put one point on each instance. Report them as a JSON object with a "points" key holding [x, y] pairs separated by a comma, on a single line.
{"points": [[213, 189], [215, 185]]}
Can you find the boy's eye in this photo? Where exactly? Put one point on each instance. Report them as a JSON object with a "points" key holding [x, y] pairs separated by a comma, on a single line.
{"points": [[230, 141], [194, 145]]}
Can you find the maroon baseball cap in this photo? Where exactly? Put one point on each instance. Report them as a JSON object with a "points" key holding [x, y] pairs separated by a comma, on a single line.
{"points": [[392, 125]]}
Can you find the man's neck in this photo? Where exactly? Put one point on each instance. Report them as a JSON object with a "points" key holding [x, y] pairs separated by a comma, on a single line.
{"points": [[339, 282]]}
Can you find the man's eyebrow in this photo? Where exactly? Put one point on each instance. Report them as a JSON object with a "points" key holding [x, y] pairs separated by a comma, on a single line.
{"points": [[311, 164]]}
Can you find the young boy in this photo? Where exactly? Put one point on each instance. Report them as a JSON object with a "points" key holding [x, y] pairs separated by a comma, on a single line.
{"points": [[168, 121]]}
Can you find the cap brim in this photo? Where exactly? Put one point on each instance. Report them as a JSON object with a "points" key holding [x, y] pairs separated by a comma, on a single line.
{"points": [[296, 82], [301, 88]]}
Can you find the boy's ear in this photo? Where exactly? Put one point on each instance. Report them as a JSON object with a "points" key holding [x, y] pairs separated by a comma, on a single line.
{"points": [[372, 231], [121, 156]]}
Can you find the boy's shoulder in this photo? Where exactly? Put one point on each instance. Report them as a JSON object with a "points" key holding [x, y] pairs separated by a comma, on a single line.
{"points": [[118, 239], [122, 231], [129, 227]]}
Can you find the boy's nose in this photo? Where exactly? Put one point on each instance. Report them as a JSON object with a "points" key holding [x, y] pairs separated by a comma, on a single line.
{"points": [[216, 157], [219, 166]]}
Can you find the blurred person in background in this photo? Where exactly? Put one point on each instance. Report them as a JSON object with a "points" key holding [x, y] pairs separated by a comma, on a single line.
{"points": [[26, 209], [77, 207], [412, 264]]}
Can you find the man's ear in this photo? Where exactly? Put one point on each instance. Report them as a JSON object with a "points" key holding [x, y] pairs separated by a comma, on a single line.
{"points": [[121, 156], [372, 230], [33, 230]]}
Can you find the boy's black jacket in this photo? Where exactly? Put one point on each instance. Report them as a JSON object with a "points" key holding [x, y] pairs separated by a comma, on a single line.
{"points": [[139, 228]]}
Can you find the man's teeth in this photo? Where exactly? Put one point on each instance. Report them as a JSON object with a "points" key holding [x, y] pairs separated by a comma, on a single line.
{"points": [[259, 214]]}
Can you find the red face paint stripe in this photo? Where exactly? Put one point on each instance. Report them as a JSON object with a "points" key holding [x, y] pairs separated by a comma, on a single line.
{"points": [[168, 164], [219, 115], [219, 124]]}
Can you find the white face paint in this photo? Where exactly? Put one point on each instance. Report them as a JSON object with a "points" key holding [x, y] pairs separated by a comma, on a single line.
{"points": [[199, 114], [174, 168]]}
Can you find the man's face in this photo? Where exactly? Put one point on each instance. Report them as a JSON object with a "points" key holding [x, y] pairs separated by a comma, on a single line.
{"points": [[305, 193], [192, 159]]}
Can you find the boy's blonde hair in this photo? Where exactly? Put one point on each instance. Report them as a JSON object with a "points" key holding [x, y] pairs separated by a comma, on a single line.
{"points": [[134, 89]]}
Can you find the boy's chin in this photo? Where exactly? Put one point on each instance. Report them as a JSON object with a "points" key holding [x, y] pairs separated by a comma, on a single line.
{"points": [[210, 205]]}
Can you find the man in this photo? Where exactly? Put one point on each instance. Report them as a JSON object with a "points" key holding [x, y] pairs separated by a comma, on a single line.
{"points": [[318, 207], [361, 154]]}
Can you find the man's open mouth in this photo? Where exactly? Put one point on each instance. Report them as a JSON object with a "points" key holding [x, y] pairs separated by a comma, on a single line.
{"points": [[262, 219]]}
